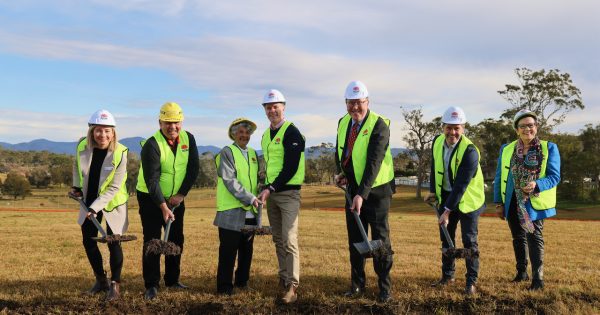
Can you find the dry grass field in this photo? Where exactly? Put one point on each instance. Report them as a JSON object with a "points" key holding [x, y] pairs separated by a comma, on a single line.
{"points": [[44, 268]]}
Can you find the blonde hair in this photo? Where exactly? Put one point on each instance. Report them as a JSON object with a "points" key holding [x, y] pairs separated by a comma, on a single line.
{"points": [[91, 143]]}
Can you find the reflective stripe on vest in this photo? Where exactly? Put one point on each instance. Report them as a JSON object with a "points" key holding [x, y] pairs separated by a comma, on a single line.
{"points": [[121, 196], [246, 174], [359, 151], [273, 154], [546, 198], [474, 196], [172, 167]]}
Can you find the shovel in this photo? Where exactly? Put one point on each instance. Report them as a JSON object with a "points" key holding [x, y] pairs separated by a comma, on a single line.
{"points": [[452, 252], [105, 238], [257, 229], [157, 246], [365, 248]]}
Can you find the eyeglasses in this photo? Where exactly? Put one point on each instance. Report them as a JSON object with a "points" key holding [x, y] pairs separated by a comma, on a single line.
{"points": [[352, 103], [527, 126]]}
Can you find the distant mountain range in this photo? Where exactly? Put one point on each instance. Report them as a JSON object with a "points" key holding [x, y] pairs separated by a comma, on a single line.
{"points": [[134, 146], [69, 147]]}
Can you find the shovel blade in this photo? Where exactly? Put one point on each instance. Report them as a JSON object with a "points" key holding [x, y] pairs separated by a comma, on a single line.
{"points": [[364, 250]]}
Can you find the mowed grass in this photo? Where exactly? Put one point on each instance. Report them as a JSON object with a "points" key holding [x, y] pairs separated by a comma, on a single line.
{"points": [[44, 268]]}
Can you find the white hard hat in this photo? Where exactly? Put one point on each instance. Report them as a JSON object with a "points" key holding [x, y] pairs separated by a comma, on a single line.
{"points": [[273, 96], [454, 115], [102, 117], [522, 114], [356, 90]]}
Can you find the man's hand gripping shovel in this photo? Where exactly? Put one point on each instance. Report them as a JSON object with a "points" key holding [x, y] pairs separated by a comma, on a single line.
{"points": [[164, 247], [104, 238], [452, 251], [366, 248]]}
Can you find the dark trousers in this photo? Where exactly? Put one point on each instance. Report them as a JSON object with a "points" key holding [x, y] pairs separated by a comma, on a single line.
{"points": [[89, 230], [152, 225], [374, 213], [232, 244], [527, 244], [469, 231]]}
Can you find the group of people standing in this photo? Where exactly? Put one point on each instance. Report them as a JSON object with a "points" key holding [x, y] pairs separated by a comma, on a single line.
{"points": [[524, 191]]}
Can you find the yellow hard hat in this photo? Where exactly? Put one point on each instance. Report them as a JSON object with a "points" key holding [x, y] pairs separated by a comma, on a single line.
{"points": [[237, 121], [171, 112]]}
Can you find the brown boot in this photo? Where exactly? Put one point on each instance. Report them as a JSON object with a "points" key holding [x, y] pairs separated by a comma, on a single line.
{"points": [[101, 284], [114, 293], [290, 296]]}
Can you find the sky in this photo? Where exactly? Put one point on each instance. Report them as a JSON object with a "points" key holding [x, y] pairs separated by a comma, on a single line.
{"points": [[61, 60]]}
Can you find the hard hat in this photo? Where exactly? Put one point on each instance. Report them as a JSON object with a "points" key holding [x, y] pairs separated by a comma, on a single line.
{"points": [[522, 114], [454, 115], [171, 112], [237, 121], [356, 90], [273, 96], [102, 117]]}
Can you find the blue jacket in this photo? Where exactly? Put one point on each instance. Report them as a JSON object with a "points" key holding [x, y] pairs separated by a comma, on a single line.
{"points": [[551, 180]]}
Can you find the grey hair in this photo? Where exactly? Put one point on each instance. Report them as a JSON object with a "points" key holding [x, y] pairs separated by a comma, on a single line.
{"points": [[235, 128]]}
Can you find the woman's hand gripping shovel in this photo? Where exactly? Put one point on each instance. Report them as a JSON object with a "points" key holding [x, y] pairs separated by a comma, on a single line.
{"points": [[366, 248], [257, 229], [105, 238], [451, 252], [164, 247]]}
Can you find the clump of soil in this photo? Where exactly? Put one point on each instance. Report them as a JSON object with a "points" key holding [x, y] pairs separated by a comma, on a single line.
{"points": [[264, 230], [382, 252], [465, 253], [158, 247], [116, 238]]}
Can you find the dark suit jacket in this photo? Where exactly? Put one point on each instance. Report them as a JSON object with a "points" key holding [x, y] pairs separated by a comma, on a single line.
{"points": [[465, 172], [378, 144]]}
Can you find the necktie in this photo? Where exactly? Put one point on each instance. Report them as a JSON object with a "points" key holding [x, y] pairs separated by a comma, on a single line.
{"points": [[350, 143]]}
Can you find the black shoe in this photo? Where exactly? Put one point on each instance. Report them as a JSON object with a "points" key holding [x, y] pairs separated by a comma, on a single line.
{"points": [[470, 289], [521, 276], [354, 292], [444, 281], [101, 284], [177, 285], [536, 285], [384, 297], [228, 292], [151, 293]]}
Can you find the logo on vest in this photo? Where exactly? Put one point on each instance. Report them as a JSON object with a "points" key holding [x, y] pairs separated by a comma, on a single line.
{"points": [[253, 160], [365, 132], [277, 140], [184, 148]]}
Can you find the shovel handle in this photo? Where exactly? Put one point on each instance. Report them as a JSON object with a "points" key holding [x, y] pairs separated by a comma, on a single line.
{"points": [[92, 217], [442, 226], [259, 215], [357, 219], [362, 231], [168, 227]]}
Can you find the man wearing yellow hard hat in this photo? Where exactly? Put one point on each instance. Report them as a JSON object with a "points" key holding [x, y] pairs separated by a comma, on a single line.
{"points": [[169, 167]]}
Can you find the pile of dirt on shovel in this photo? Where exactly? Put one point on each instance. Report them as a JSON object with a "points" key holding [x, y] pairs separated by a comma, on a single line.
{"points": [[265, 230], [382, 252], [117, 238], [158, 247]]}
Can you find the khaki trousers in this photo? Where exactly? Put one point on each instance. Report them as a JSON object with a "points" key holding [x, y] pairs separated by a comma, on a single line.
{"points": [[282, 209]]}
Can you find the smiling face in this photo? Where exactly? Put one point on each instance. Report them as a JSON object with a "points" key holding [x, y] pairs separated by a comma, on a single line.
{"points": [[453, 133], [170, 129], [357, 109], [241, 136], [103, 136], [274, 112], [527, 129]]}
